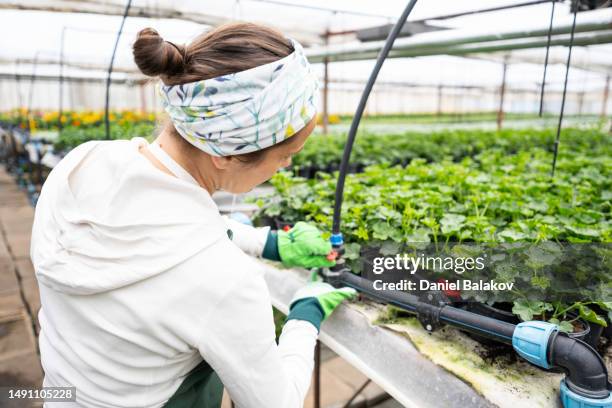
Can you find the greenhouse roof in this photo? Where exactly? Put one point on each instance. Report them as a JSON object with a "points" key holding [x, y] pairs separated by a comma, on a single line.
{"points": [[90, 28]]}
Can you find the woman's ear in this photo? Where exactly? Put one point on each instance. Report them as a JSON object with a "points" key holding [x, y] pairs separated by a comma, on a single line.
{"points": [[221, 163]]}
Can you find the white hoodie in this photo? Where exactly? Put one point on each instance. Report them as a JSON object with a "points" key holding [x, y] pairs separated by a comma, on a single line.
{"points": [[139, 281]]}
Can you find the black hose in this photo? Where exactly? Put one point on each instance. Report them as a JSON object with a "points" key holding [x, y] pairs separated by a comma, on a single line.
{"points": [[18, 89], [552, 16], [586, 372], [359, 112], [585, 369], [474, 323], [567, 68], [60, 111], [400, 299], [31, 92], [110, 71]]}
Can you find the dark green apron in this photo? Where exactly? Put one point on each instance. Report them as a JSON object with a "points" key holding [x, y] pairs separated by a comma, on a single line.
{"points": [[202, 388]]}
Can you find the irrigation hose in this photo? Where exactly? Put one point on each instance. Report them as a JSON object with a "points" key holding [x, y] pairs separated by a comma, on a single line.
{"points": [[567, 68], [110, 71], [550, 27], [60, 111], [31, 92], [359, 113]]}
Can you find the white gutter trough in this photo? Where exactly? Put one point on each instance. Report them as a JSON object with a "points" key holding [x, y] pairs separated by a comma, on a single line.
{"points": [[389, 359]]}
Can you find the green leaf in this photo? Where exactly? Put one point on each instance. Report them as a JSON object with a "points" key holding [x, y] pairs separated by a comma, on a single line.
{"points": [[589, 315], [605, 305], [512, 235], [418, 235], [566, 327], [523, 309], [451, 223], [389, 248], [526, 309], [584, 231], [362, 233], [541, 282], [382, 230], [352, 251]]}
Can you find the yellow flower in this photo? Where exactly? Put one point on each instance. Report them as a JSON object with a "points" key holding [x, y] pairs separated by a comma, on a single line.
{"points": [[49, 116]]}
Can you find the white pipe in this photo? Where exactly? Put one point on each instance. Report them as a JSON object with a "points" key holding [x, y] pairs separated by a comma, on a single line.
{"points": [[592, 21], [583, 39], [603, 37]]}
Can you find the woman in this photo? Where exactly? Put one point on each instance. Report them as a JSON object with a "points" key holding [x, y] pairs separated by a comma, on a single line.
{"points": [[148, 296]]}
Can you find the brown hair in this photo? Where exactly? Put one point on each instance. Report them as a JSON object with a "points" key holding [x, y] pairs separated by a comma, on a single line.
{"points": [[229, 48]]}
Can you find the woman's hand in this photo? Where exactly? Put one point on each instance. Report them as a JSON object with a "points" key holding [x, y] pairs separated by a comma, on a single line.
{"points": [[317, 300], [304, 246]]}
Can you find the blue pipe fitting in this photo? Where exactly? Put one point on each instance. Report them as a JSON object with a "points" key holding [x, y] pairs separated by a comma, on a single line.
{"points": [[570, 399], [336, 239], [530, 340]]}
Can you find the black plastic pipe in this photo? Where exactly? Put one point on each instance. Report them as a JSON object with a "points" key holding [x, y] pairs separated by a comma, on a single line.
{"points": [[550, 27], [110, 72], [585, 370], [462, 319], [60, 110], [567, 68], [18, 89], [478, 324], [397, 298], [31, 91], [359, 112]]}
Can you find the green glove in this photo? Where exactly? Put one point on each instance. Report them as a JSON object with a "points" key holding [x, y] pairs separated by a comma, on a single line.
{"points": [[317, 300], [304, 246]]}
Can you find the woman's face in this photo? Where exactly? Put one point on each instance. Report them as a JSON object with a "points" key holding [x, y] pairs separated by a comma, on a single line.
{"points": [[241, 177]]}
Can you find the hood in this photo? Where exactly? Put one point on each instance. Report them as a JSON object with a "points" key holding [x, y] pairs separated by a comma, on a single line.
{"points": [[107, 218]]}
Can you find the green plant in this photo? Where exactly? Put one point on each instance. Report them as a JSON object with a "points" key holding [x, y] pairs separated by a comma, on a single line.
{"points": [[324, 150], [559, 313], [504, 193], [73, 136]]}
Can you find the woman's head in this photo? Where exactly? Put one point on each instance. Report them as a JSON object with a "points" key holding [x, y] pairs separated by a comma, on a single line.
{"points": [[229, 48], [218, 115]]}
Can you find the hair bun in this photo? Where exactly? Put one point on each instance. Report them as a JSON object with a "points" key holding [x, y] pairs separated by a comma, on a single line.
{"points": [[156, 57]]}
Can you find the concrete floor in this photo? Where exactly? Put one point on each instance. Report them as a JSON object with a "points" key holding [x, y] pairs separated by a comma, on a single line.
{"points": [[19, 298]]}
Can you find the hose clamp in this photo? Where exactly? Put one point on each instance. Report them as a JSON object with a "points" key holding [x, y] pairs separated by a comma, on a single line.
{"points": [[429, 307]]}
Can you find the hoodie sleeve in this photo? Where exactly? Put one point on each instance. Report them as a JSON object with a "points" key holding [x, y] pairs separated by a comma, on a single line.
{"points": [[250, 239], [240, 345]]}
